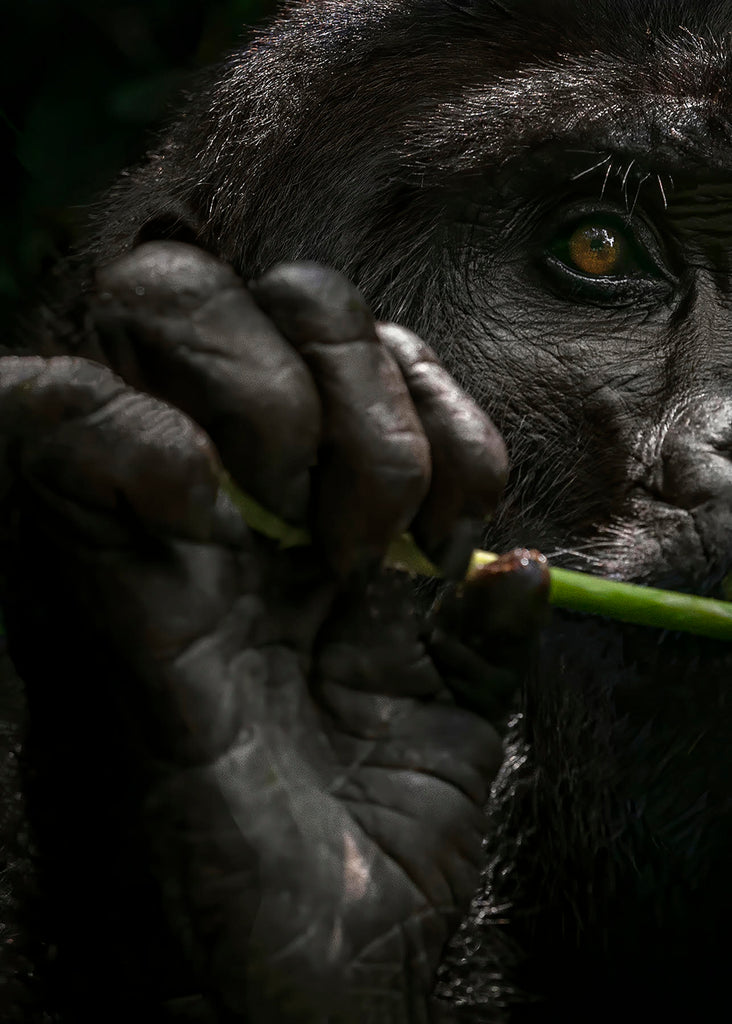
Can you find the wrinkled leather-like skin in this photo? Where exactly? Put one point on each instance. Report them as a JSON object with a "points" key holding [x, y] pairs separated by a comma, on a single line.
{"points": [[288, 793], [281, 785]]}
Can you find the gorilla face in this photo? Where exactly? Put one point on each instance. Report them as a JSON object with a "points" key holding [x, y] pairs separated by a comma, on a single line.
{"points": [[546, 201], [607, 307]]}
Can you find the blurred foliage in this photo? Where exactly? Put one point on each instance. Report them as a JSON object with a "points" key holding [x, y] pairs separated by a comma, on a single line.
{"points": [[82, 85]]}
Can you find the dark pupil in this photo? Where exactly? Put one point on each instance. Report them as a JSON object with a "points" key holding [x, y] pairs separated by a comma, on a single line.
{"points": [[600, 239]]}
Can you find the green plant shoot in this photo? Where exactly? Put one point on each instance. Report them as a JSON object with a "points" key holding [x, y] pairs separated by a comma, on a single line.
{"points": [[575, 591]]}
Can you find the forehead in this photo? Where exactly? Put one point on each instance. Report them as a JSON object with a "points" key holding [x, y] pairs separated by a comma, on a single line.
{"points": [[665, 98]]}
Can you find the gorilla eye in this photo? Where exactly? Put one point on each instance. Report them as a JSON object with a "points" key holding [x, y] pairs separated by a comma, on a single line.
{"points": [[602, 257], [597, 246], [596, 249]]}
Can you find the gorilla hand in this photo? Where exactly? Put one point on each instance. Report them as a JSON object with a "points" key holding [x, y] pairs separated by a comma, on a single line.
{"points": [[275, 751]]}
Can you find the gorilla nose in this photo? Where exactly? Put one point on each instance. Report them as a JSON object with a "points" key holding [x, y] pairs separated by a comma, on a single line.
{"points": [[696, 460]]}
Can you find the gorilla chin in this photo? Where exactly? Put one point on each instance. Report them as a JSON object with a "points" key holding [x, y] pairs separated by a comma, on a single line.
{"points": [[543, 191]]}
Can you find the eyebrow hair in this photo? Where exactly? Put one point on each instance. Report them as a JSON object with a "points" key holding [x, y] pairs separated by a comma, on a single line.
{"points": [[668, 115]]}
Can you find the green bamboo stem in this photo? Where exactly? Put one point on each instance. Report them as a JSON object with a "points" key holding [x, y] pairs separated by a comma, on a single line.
{"points": [[628, 602], [575, 591]]}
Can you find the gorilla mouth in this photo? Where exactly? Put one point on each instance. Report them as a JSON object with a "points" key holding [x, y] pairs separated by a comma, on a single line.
{"points": [[645, 540], [657, 544]]}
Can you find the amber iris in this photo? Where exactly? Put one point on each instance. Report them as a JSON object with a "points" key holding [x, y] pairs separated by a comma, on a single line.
{"points": [[595, 249]]}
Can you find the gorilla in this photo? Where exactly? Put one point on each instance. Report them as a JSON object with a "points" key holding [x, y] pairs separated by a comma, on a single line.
{"points": [[248, 782]]}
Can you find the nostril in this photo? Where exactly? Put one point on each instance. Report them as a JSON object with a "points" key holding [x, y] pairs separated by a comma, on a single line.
{"points": [[694, 470], [722, 447]]}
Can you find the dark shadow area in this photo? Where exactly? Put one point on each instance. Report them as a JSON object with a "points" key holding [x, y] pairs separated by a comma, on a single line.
{"points": [[83, 86]]}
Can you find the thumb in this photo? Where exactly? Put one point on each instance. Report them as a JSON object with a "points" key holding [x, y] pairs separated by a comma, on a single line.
{"points": [[483, 632]]}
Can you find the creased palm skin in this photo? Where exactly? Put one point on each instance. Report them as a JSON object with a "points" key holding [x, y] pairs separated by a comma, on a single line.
{"points": [[285, 813]]}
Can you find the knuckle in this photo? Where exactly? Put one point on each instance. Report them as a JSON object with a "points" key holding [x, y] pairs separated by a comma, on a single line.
{"points": [[175, 273], [312, 303]]}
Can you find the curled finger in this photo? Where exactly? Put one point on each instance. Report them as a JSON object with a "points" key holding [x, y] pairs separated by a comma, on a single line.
{"points": [[469, 460], [178, 323], [374, 464]]}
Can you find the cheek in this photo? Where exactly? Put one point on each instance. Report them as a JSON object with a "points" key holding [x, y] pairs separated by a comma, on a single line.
{"points": [[569, 365], [576, 390]]}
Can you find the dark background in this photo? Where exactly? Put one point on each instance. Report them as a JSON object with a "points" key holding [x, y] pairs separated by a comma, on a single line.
{"points": [[83, 84]]}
